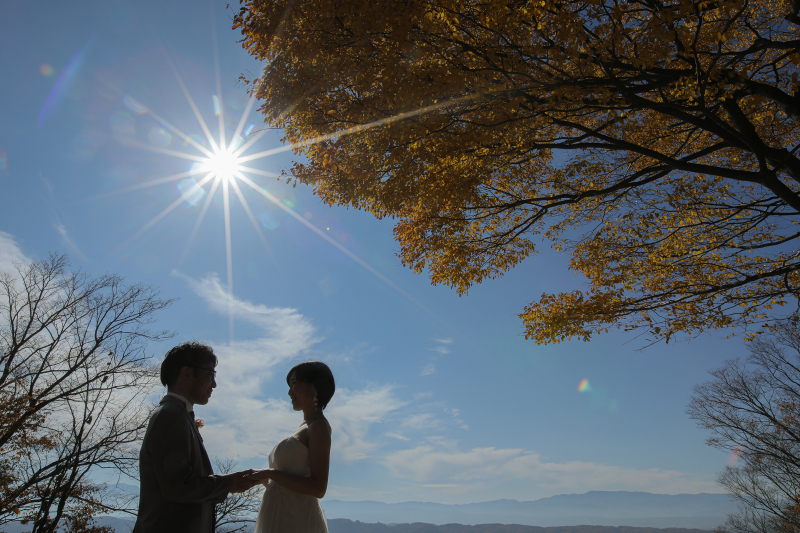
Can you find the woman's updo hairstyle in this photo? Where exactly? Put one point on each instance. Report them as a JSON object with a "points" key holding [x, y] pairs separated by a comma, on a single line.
{"points": [[317, 374]]}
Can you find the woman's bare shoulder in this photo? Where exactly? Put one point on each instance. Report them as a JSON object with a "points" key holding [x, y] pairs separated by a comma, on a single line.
{"points": [[320, 424]]}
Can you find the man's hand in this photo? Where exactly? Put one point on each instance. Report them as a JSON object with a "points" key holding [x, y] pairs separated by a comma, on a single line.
{"points": [[260, 475], [240, 481]]}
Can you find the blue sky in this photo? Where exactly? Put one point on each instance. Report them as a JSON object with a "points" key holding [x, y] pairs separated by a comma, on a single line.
{"points": [[440, 398]]}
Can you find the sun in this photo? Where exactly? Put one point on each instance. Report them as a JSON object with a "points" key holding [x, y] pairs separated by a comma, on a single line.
{"points": [[224, 163]]}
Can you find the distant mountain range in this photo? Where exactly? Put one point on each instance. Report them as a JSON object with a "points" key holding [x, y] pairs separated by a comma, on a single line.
{"points": [[593, 512], [340, 525], [600, 508]]}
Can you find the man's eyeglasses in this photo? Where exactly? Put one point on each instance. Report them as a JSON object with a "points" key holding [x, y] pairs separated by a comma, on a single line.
{"points": [[212, 372]]}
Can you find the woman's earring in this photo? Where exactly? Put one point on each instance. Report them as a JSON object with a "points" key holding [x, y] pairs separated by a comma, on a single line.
{"points": [[316, 401]]}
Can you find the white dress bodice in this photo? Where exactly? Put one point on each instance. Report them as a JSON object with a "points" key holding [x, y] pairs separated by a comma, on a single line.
{"points": [[283, 510]]}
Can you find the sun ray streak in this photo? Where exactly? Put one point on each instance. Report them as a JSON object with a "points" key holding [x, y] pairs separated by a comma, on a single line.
{"points": [[179, 133], [260, 172], [266, 153], [228, 253], [242, 122], [146, 184], [183, 155], [189, 99], [201, 216], [357, 129], [322, 234], [252, 218], [217, 75], [249, 143], [159, 216]]}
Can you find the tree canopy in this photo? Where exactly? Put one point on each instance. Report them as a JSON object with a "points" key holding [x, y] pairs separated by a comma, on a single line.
{"points": [[653, 140]]}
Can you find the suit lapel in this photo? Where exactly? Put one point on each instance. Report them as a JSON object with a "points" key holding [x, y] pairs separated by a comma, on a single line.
{"points": [[203, 453]]}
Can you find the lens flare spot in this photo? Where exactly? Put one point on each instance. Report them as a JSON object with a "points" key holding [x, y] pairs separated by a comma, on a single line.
{"points": [[159, 137], [269, 221], [288, 202], [133, 105], [191, 191], [217, 109], [734, 457], [46, 70], [584, 386], [63, 85]]}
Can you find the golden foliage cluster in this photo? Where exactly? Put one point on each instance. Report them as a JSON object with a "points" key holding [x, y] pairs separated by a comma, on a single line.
{"points": [[19, 418], [653, 140]]}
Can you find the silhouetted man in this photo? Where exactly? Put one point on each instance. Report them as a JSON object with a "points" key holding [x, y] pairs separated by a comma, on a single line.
{"points": [[178, 488]]}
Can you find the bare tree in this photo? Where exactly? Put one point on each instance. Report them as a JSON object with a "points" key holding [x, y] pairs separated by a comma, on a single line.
{"points": [[238, 512], [74, 377], [752, 409]]}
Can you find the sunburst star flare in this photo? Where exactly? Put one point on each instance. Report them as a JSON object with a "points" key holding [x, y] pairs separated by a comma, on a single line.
{"points": [[220, 168]]}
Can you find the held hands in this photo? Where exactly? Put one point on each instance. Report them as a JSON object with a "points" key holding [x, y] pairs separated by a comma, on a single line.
{"points": [[260, 475], [241, 481]]}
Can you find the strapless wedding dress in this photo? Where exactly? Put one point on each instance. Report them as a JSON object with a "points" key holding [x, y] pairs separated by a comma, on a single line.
{"points": [[285, 511]]}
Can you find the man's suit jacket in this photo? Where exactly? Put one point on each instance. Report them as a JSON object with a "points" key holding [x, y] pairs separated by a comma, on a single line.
{"points": [[177, 486]]}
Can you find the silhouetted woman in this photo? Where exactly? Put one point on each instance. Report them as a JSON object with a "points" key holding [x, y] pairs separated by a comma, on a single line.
{"points": [[298, 465]]}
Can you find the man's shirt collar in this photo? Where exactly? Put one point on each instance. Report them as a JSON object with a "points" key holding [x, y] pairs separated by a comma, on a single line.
{"points": [[189, 405]]}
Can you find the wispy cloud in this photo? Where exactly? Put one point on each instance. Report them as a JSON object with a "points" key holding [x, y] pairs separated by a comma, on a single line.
{"points": [[352, 416], [68, 242], [242, 421], [58, 224], [436, 465], [442, 348], [420, 421], [456, 414], [11, 258], [10, 254]]}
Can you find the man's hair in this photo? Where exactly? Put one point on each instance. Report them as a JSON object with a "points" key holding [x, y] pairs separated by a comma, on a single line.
{"points": [[317, 374], [190, 353]]}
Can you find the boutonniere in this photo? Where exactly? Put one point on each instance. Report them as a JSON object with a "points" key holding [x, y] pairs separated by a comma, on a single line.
{"points": [[198, 423]]}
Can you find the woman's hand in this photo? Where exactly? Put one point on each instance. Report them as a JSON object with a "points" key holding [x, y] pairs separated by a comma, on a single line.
{"points": [[261, 475]]}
